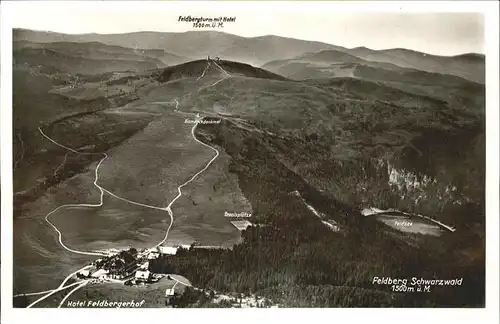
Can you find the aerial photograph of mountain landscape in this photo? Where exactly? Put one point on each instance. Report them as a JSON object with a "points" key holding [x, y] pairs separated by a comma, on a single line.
{"points": [[194, 160]]}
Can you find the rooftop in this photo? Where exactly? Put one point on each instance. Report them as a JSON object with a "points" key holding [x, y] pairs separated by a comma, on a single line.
{"points": [[167, 250], [142, 274], [99, 273], [241, 224]]}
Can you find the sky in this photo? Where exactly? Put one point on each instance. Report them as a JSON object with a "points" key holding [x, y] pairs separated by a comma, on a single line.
{"points": [[429, 32]]}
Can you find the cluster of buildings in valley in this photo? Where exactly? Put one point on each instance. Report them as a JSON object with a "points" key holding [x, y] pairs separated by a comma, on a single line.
{"points": [[240, 301], [129, 267]]}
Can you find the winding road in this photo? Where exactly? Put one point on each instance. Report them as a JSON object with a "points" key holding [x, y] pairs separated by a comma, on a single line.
{"points": [[51, 293], [72, 291], [168, 208], [103, 190]]}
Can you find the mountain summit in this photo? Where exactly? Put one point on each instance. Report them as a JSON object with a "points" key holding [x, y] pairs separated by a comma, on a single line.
{"points": [[263, 49]]}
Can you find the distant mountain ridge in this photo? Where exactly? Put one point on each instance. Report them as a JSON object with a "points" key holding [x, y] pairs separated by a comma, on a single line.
{"points": [[264, 49], [469, 66], [325, 59], [61, 62], [192, 44], [98, 50]]}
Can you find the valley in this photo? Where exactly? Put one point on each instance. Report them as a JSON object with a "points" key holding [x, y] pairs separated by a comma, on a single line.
{"points": [[157, 151]]}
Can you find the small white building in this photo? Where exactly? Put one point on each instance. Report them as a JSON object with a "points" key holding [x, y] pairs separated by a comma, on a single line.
{"points": [[99, 273], [185, 246], [167, 250], [241, 225], [169, 295], [84, 273], [142, 274], [153, 255], [145, 265]]}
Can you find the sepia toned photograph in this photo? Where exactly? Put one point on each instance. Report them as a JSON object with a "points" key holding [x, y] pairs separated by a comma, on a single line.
{"points": [[223, 158]]}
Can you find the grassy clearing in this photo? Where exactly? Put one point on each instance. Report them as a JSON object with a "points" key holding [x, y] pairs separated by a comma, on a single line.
{"points": [[173, 156], [200, 212]]}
